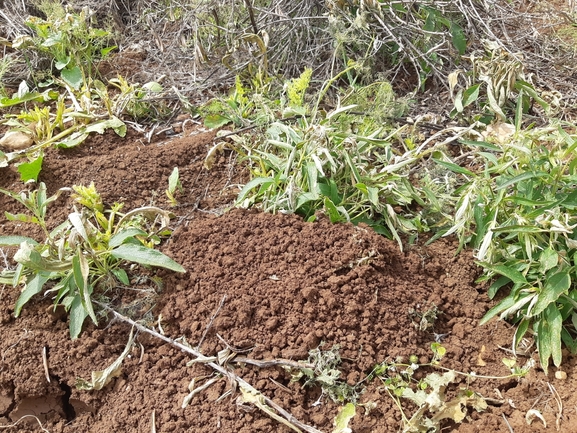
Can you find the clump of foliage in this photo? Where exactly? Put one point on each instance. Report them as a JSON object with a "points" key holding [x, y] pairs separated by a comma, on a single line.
{"points": [[326, 374], [69, 41], [84, 256], [344, 162]]}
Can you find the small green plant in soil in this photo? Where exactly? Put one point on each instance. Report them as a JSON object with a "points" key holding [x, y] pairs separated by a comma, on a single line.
{"points": [[174, 185], [84, 256]]}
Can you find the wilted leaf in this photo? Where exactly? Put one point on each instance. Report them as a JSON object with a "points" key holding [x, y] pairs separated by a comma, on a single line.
{"points": [[102, 378], [342, 420]]}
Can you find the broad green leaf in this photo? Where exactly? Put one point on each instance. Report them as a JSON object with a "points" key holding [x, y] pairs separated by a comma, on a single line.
{"points": [[145, 256], [555, 321], [121, 276], [21, 217], [72, 77], [257, 181], [458, 38], [31, 170], [332, 211], [15, 240], [173, 180], [569, 341], [521, 177], [554, 287], [101, 126], [543, 340], [513, 274], [77, 316], [33, 287], [213, 121], [121, 237], [73, 140], [548, 259], [520, 333], [506, 303], [496, 285], [471, 94]]}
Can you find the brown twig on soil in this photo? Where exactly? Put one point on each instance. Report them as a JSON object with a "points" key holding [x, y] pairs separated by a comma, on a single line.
{"points": [[221, 369], [211, 321]]}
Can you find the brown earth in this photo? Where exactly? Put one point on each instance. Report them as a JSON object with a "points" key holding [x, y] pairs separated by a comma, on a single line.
{"points": [[272, 284]]}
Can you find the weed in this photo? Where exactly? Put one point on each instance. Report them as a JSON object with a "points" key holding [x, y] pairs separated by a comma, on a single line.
{"points": [[325, 374], [173, 186], [85, 255]]}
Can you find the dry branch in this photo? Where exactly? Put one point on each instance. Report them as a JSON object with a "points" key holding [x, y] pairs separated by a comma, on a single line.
{"points": [[222, 369]]}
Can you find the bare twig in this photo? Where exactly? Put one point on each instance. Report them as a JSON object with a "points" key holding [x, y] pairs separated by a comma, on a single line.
{"points": [[211, 321], [221, 369]]}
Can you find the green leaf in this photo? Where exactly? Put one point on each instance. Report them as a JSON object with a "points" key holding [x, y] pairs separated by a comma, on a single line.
{"points": [[15, 240], [548, 259], [173, 180], [21, 217], [77, 316], [123, 235], [145, 256], [555, 321], [253, 184], [506, 303], [33, 287], [554, 287], [454, 167], [458, 38], [73, 140], [31, 170], [519, 178], [121, 276], [496, 285], [520, 332], [513, 274], [332, 210], [471, 95], [81, 273], [213, 121], [72, 77]]}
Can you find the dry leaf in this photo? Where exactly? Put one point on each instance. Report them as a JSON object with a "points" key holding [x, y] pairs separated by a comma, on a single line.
{"points": [[532, 414], [16, 140]]}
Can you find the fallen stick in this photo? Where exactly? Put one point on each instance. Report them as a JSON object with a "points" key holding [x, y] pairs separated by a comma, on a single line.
{"points": [[221, 369]]}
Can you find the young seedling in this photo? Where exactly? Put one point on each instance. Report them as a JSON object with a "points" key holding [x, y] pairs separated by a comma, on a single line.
{"points": [[174, 185]]}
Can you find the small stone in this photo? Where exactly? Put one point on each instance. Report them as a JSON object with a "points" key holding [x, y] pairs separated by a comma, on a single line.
{"points": [[15, 140], [561, 375]]}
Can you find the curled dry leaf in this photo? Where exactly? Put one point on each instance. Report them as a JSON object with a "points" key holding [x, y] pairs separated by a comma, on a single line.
{"points": [[532, 414], [16, 140]]}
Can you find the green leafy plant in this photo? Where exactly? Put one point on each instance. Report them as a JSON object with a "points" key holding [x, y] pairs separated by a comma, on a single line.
{"points": [[518, 211], [69, 40], [174, 185], [87, 254]]}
